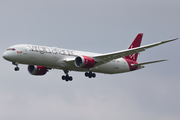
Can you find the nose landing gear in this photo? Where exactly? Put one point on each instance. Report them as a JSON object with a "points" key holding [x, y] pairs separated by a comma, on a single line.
{"points": [[16, 64]]}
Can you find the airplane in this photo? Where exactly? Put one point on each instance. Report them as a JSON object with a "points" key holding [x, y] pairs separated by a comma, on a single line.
{"points": [[41, 59]]}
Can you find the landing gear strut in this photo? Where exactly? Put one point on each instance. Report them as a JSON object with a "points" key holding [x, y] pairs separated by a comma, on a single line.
{"points": [[90, 74], [67, 77], [16, 64]]}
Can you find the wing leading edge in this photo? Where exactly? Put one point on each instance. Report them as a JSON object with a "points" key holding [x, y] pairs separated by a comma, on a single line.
{"points": [[104, 58]]}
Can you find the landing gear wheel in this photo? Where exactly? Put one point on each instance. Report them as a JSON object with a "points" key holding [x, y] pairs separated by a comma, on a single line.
{"points": [[93, 75], [86, 74], [70, 78], [16, 68], [90, 74], [67, 77], [16, 64], [63, 77]]}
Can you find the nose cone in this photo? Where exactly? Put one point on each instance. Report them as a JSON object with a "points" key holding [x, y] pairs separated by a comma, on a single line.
{"points": [[5, 55]]}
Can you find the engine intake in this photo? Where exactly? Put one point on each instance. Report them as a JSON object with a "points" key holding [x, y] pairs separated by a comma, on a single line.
{"points": [[37, 70], [84, 62]]}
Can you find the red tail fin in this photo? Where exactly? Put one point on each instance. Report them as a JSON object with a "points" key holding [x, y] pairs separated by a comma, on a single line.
{"points": [[134, 44]]}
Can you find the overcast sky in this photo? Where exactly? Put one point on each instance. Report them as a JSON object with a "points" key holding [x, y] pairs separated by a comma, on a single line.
{"points": [[96, 26]]}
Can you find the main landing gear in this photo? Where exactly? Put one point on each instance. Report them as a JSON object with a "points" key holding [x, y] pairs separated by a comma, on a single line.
{"points": [[90, 74], [16, 64], [70, 78], [67, 77]]}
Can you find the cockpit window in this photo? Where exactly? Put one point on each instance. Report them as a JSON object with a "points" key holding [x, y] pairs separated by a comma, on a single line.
{"points": [[12, 49]]}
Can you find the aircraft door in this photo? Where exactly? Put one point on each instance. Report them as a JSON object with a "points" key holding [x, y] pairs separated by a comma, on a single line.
{"points": [[24, 51]]}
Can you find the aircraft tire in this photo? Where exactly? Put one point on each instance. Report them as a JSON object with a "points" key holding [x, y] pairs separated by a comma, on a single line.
{"points": [[86, 74], [16, 68], [67, 78], [93, 75], [90, 74], [63, 77], [70, 78]]}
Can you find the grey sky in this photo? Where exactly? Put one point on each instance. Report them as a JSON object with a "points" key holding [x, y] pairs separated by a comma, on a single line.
{"points": [[97, 26]]}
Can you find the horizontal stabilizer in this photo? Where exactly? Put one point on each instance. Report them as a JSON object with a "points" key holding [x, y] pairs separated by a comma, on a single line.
{"points": [[148, 62]]}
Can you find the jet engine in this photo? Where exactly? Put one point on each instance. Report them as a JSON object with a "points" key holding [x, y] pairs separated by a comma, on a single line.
{"points": [[84, 62], [37, 70]]}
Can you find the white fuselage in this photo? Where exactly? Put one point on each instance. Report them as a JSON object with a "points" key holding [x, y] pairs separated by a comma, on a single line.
{"points": [[52, 57]]}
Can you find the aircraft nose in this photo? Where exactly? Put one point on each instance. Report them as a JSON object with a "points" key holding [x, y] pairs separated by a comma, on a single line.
{"points": [[5, 55]]}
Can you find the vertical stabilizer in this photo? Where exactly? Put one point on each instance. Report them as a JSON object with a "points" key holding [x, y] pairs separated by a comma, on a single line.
{"points": [[134, 44]]}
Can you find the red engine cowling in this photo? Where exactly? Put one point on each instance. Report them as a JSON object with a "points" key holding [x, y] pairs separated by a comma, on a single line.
{"points": [[84, 62], [37, 70]]}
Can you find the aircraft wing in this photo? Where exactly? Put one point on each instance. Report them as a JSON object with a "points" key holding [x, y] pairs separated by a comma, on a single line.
{"points": [[104, 58]]}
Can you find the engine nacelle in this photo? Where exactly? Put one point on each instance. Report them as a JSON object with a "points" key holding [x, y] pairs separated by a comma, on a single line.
{"points": [[84, 62], [37, 70]]}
